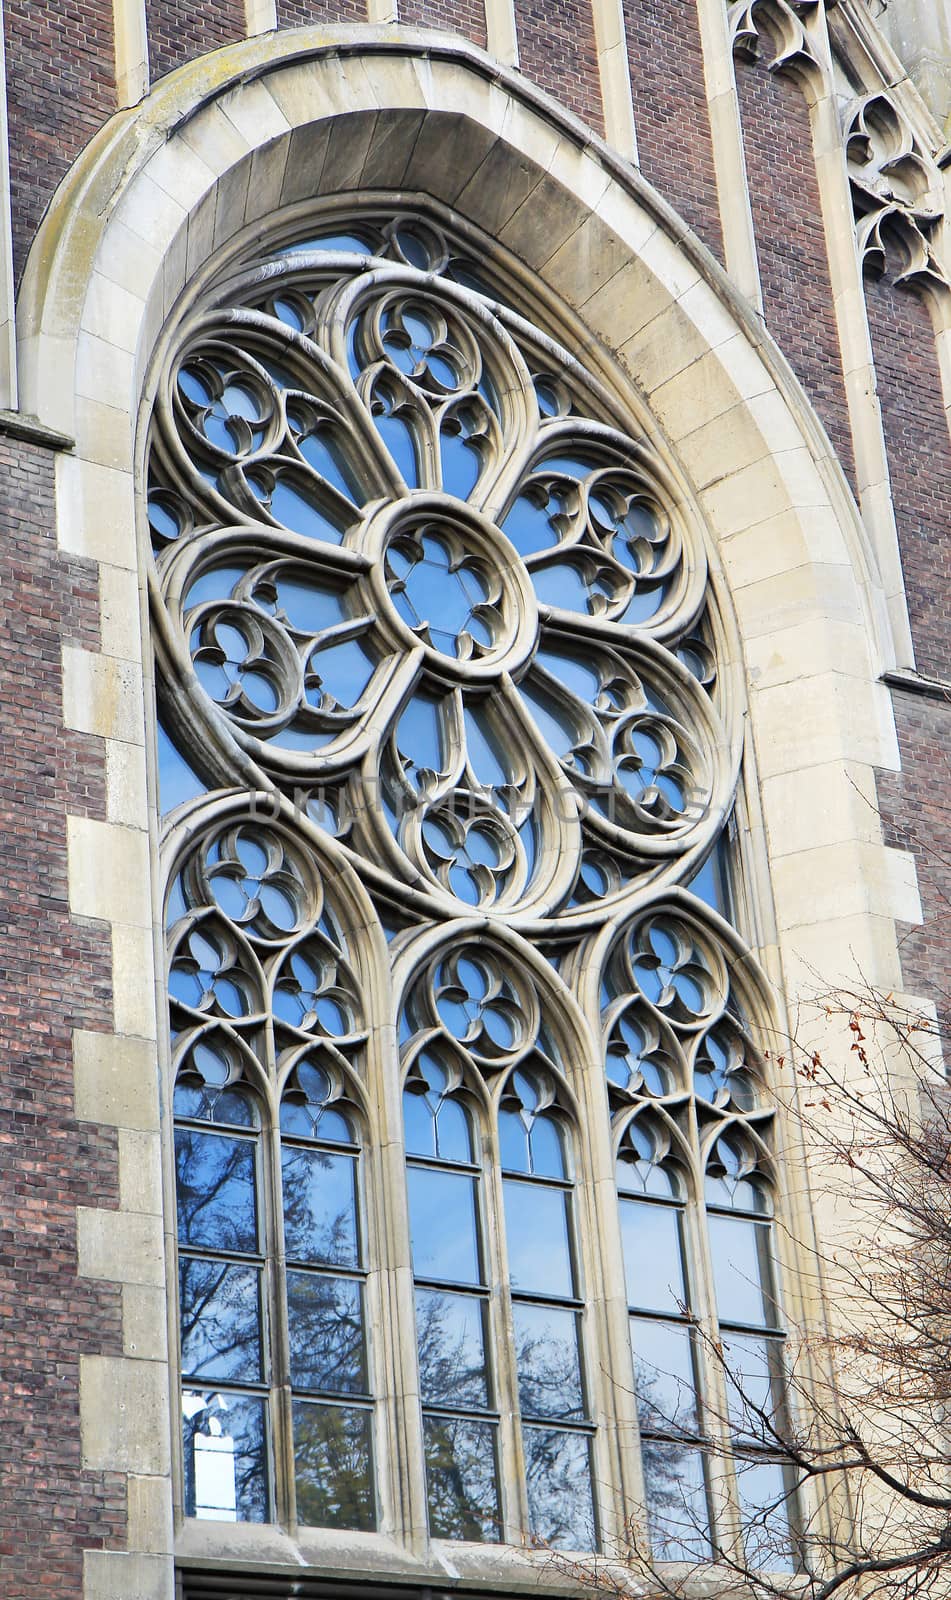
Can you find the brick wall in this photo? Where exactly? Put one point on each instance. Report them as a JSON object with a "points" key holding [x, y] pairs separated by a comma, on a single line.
{"points": [[461, 16], [916, 812], [56, 977], [919, 463], [557, 51], [180, 30], [308, 13], [60, 89], [674, 146], [790, 241]]}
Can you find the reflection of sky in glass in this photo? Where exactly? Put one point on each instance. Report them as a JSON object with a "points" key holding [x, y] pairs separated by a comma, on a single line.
{"points": [[217, 1199], [220, 1320], [763, 1509], [451, 1337], [320, 1212], [677, 1514], [536, 1226], [442, 1208], [549, 1368], [558, 1470], [740, 1250], [653, 1260], [663, 1376]]}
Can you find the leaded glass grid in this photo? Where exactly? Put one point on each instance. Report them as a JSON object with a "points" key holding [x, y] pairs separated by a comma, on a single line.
{"points": [[449, 741]]}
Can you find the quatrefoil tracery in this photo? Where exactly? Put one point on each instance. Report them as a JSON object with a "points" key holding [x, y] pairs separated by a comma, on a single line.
{"points": [[378, 509]]}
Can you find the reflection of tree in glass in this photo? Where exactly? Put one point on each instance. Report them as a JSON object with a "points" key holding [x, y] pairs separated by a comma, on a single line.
{"points": [[461, 1477], [320, 1222], [558, 1477], [325, 1318], [332, 1463], [451, 1355], [549, 1374], [240, 1423], [676, 1503], [219, 1320], [215, 1191]]}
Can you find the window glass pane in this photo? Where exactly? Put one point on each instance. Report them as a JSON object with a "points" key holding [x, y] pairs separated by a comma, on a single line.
{"points": [[442, 1209], [333, 1466], [513, 1143], [664, 1383], [461, 1478], [220, 1321], [536, 1225], [548, 1154], [450, 1329], [558, 1469], [753, 1370], [419, 1125], [677, 1514], [453, 1135], [325, 1321], [320, 1207], [653, 1256], [741, 1272], [549, 1369], [177, 781], [225, 1452], [764, 1510], [217, 1203]]}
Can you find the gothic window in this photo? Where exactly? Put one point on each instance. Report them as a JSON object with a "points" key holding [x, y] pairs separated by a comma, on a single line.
{"points": [[448, 754]]}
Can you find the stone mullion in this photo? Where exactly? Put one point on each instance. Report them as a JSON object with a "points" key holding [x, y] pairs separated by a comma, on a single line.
{"points": [[729, 157]]}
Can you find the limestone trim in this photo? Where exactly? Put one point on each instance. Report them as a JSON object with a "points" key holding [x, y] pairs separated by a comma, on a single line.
{"points": [[784, 28], [501, 31], [726, 132], [260, 127], [132, 51], [261, 16], [614, 69]]}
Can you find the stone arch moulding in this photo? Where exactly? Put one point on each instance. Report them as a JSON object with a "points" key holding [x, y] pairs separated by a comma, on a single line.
{"points": [[276, 122]]}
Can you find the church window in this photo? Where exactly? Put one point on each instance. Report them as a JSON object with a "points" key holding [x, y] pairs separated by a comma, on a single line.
{"points": [[448, 755]]}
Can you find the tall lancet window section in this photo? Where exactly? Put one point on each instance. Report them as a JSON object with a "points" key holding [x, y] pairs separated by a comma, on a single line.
{"points": [[435, 627], [264, 1013], [694, 1193], [482, 1072]]}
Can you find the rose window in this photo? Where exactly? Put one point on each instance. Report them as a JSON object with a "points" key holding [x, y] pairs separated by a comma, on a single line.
{"points": [[412, 564]]}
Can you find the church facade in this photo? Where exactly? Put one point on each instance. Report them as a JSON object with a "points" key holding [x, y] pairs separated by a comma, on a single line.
{"points": [[475, 481]]}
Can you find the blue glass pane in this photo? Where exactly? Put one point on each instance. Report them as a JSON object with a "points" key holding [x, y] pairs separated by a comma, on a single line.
{"points": [[513, 1143], [677, 1514], [554, 723], [528, 525], [548, 1150], [461, 1479], [564, 585], [325, 1331], [308, 607], [333, 1466], [574, 674], [537, 1233], [224, 1438], [548, 1362], [320, 1207], [450, 1332], [558, 1473], [419, 1125], [177, 780], [323, 452], [327, 241], [653, 1255], [461, 464], [708, 886], [741, 1270], [217, 584], [765, 1513], [295, 509], [220, 1306], [664, 1382], [397, 435], [419, 734], [453, 1132], [442, 1208], [216, 1191], [487, 757]]}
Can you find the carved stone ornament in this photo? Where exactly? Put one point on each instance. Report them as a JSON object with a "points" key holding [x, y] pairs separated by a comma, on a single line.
{"points": [[782, 26], [896, 192]]}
